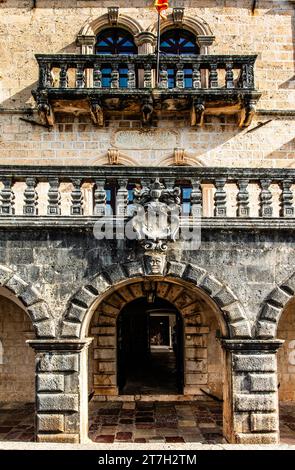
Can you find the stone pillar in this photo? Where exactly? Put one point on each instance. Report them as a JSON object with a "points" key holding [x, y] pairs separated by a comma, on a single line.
{"points": [[146, 43], [61, 390], [250, 414]]}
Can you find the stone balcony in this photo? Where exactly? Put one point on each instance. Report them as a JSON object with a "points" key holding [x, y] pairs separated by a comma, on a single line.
{"points": [[222, 198], [193, 86]]}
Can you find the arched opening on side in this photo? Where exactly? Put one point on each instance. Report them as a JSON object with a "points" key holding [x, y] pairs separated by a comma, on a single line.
{"points": [[286, 373], [17, 370], [155, 359], [149, 348]]}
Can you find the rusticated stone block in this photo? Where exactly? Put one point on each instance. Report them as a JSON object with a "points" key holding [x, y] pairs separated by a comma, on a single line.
{"points": [[194, 273], [262, 383], [280, 296], [71, 330], [134, 268], [50, 382], [50, 422], [57, 402], [58, 363], [241, 329], [270, 312], [45, 329], [76, 313], [39, 311], [264, 422], [225, 297], [100, 284], [210, 285], [262, 402], [234, 312], [5, 275], [256, 438], [175, 268], [115, 273], [29, 296], [85, 297], [257, 362], [266, 329], [16, 285], [242, 422]]}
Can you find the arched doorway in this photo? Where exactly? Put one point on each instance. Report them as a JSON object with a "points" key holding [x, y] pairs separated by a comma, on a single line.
{"points": [[17, 371], [155, 364], [149, 348], [286, 373]]}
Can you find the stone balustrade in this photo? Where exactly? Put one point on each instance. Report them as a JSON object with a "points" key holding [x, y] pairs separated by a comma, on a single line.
{"points": [[101, 84], [231, 194]]}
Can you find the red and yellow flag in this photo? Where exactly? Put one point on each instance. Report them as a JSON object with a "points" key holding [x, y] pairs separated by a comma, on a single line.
{"points": [[161, 6]]}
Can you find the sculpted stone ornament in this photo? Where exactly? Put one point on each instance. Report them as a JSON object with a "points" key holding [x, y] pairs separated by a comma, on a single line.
{"points": [[157, 212], [155, 263]]}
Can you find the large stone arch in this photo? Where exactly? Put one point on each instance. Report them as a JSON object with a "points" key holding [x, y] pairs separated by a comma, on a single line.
{"points": [[93, 26], [272, 308], [195, 25], [82, 304], [31, 299]]}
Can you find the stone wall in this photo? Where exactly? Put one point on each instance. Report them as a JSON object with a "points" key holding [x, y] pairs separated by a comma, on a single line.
{"points": [[53, 28], [17, 369]]}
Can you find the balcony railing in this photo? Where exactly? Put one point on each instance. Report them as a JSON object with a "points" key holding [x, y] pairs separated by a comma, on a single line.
{"points": [[199, 84], [57, 194]]}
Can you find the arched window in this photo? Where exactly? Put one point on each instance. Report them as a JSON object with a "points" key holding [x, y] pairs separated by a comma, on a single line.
{"points": [[115, 41], [179, 42]]}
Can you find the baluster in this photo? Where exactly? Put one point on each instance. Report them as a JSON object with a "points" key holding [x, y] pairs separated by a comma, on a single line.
{"points": [[229, 75], [265, 197], [7, 197], [122, 197], [131, 76], [179, 76], [196, 76], [115, 77], [97, 76], [45, 79], [220, 198], [100, 197], [80, 79], [30, 197], [147, 76], [250, 76], [77, 197], [53, 207], [243, 77], [286, 199], [163, 77], [63, 76], [196, 198], [213, 76], [243, 209]]}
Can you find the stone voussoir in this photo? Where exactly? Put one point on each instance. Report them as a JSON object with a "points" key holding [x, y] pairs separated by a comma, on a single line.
{"points": [[134, 268], [175, 268], [194, 273]]}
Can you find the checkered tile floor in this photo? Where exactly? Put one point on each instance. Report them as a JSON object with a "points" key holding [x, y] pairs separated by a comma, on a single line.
{"points": [[142, 422]]}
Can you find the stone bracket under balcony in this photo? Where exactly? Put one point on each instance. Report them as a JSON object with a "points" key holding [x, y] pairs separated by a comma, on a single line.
{"points": [[101, 86]]}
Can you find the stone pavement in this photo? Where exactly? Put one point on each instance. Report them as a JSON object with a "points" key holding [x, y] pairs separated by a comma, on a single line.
{"points": [[179, 423]]}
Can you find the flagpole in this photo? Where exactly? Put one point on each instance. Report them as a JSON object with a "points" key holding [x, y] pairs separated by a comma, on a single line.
{"points": [[158, 51]]}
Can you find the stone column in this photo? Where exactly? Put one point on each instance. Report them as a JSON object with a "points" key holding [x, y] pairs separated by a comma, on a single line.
{"points": [[146, 43], [250, 414], [87, 46], [61, 390]]}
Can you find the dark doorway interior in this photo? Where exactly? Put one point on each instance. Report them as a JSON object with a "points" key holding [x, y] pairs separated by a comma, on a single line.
{"points": [[150, 348]]}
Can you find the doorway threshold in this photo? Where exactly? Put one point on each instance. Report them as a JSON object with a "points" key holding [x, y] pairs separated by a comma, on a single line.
{"points": [[156, 397]]}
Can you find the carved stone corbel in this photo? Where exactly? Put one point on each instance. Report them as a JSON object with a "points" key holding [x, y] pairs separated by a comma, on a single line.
{"points": [[247, 113], [197, 112], [43, 106], [147, 109], [96, 111], [113, 14], [179, 156], [178, 14], [113, 156]]}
